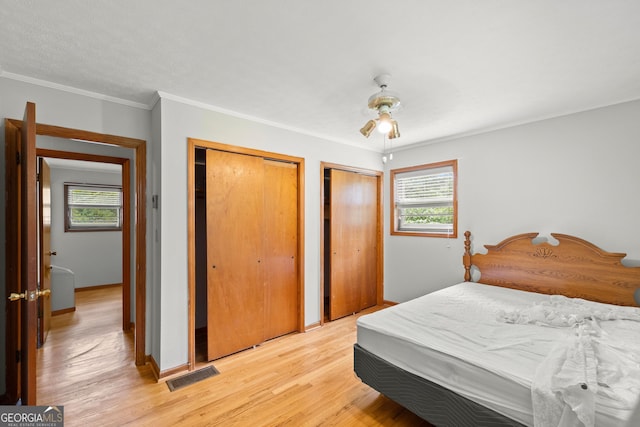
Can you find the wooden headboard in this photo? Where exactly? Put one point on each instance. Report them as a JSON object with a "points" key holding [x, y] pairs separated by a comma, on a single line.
{"points": [[574, 267]]}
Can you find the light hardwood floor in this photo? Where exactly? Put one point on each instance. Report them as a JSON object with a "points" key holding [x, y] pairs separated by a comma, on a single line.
{"points": [[298, 380]]}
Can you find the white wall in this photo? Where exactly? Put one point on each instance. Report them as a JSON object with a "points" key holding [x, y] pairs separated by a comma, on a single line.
{"points": [[180, 121], [94, 257], [67, 108], [574, 175]]}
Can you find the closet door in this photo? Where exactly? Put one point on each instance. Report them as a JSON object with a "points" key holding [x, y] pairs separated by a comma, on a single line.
{"points": [[235, 284], [353, 242], [281, 247], [345, 291], [367, 237]]}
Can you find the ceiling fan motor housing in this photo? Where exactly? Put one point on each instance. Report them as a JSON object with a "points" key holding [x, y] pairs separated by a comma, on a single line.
{"points": [[383, 99]]}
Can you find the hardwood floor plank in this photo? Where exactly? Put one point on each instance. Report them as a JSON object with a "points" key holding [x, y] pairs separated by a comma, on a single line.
{"points": [[306, 379]]}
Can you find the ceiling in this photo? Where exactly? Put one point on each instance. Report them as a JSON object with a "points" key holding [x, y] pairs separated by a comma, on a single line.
{"points": [[459, 66]]}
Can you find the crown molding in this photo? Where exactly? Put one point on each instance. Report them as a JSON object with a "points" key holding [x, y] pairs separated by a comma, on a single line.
{"points": [[209, 107], [74, 90]]}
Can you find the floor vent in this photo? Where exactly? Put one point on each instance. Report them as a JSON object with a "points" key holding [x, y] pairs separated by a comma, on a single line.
{"points": [[192, 378]]}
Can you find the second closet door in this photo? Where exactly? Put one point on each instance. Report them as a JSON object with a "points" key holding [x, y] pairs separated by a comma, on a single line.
{"points": [[353, 242], [368, 239]]}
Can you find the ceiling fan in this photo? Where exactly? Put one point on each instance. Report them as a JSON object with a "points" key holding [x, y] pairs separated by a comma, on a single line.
{"points": [[383, 102]]}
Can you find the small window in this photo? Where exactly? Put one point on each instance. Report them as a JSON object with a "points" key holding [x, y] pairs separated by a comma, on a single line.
{"points": [[91, 207], [424, 200]]}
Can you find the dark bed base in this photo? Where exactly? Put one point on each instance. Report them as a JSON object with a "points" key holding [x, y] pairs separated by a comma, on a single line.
{"points": [[432, 402]]}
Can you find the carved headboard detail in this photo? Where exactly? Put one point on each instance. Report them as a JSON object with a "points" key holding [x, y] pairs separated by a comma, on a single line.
{"points": [[574, 267]]}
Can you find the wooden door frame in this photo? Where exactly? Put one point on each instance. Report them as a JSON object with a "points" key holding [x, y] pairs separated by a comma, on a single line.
{"points": [[192, 145], [140, 150], [324, 166], [44, 250], [125, 177]]}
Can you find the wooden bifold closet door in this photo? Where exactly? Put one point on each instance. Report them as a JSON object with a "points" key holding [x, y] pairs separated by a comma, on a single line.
{"points": [[251, 249], [353, 242]]}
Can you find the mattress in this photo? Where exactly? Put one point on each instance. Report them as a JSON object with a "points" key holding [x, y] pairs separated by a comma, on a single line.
{"points": [[457, 338]]}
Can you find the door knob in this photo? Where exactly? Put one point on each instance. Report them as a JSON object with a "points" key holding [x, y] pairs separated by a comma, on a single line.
{"points": [[15, 297], [28, 296]]}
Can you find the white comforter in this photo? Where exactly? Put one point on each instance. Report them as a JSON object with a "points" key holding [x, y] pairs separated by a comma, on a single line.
{"points": [[458, 337], [589, 362]]}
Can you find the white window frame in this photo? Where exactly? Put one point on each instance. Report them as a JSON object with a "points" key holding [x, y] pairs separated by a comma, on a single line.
{"points": [[69, 205], [447, 170]]}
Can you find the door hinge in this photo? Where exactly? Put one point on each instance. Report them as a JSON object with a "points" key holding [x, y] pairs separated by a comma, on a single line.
{"points": [[17, 157], [17, 356]]}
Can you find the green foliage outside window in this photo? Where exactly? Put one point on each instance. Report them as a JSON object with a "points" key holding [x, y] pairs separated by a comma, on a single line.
{"points": [[95, 216], [430, 215]]}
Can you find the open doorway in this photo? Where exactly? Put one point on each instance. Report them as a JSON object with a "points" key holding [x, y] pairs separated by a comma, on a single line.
{"points": [[85, 229], [89, 312], [97, 255]]}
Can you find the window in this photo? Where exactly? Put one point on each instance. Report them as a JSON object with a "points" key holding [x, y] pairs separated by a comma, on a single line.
{"points": [[424, 200], [91, 207]]}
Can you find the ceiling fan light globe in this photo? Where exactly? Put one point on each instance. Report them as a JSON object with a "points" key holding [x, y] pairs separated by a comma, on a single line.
{"points": [[385, 123], [384, 127]]}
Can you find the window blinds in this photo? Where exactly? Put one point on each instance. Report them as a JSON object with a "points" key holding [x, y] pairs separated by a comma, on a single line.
{"points": [[425, 187], [94, 196]]}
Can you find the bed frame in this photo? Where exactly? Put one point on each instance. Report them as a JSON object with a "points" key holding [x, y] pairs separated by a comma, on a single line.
{"points": [[573, 267]]}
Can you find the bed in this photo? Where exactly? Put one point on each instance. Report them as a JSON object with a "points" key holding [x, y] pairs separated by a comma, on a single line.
{"points": [[544, 334]]}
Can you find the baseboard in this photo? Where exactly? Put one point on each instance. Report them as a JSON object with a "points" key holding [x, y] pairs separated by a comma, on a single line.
{"points": [[63, 311], [93, 288], [389, 303], [155, 370], [163, 375], [173, 371]]}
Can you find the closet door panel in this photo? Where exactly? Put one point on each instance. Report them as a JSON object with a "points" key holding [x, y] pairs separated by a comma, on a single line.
{"points": [[281, 247], [235, 285], [345, 291], [367, 239]]}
